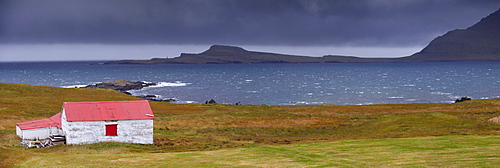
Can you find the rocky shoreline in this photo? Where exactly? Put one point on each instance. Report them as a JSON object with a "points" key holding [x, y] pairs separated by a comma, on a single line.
{"points": [[124, 86]]}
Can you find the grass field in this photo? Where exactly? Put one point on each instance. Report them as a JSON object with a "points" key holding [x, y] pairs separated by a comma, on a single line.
{"points": [[433, 151], [184, 127]]}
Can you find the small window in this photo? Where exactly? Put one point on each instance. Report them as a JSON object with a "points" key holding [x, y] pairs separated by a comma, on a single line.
{"points": [[112, 130]]}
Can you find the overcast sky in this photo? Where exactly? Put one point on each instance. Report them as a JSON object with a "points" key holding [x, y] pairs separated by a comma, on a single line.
{"points": [[143, 29]]}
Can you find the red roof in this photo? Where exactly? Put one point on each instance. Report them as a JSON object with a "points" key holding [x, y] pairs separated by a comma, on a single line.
{"points": [[108, 110], [54, 121]]}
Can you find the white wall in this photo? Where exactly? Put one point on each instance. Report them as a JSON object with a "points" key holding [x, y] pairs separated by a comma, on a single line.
{"points": [[39, 133], [19, 132], [87, 132]]}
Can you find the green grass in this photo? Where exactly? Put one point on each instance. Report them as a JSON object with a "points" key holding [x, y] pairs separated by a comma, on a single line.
{"points": [[433, 151], [191, 127]]}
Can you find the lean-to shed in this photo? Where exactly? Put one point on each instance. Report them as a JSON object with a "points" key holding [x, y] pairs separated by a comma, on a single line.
{"points": [[39, 129]]}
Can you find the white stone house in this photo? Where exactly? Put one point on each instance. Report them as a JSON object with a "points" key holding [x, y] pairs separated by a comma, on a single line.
{"points": [[109, 121]]}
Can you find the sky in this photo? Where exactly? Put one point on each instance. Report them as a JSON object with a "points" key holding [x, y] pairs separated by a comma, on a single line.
{"points": [[48, 30]]}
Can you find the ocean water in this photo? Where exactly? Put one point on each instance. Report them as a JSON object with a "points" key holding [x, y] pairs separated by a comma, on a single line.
{"points": [[279, 84]]}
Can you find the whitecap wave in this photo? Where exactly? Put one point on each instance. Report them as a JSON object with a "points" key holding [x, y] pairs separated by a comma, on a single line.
{"points": [[170, 84], [367, 103], [74, 86], [440, 93], [187, 102], [304, 103], [79, 86]]}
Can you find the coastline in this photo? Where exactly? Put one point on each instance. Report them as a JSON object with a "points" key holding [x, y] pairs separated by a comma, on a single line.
{"points": [[140, 85]]}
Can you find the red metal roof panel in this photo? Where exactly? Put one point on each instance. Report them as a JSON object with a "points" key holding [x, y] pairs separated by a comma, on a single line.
{"points": [[108, 110], [54, 121], [57, 120]]}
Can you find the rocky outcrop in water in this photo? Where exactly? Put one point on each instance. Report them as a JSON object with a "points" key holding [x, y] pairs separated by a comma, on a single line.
{"points": [[211, 101], [156, 98], [122, 85], [465, 98]]}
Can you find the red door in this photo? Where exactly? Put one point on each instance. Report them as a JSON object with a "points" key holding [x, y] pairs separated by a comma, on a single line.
{"points": [[112, 130]]}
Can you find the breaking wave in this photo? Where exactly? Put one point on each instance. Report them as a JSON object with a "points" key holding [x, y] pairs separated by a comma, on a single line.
{"points": [[170, 84], [74, 86]]}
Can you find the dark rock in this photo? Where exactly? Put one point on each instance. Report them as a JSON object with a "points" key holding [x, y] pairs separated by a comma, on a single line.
{"points": [[168, 100], [122, 85], [465, 98], [156, 98], [211, 101], [149, 97]]}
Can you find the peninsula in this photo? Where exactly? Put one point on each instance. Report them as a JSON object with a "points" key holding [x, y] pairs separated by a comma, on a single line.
{"points": [[480, 42]]}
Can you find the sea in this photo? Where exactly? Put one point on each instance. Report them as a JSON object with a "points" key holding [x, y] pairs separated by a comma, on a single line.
{"points": [[278, 84]]}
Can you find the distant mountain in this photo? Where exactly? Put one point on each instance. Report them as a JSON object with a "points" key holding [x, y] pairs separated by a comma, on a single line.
{"points": [[221, 54], [480, 42]]}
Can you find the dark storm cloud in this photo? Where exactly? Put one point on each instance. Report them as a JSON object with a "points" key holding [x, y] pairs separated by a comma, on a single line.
{"points": [[248, 22]]}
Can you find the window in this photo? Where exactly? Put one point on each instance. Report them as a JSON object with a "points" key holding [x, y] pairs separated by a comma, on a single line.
{"points": [[112, 130]]}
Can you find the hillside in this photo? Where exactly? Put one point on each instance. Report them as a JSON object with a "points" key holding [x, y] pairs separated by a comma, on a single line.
{"points": [[192, 127], [480, 42]]}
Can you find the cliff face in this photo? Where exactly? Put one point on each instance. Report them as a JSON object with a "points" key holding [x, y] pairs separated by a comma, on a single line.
{"points": [[480, 42]]}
